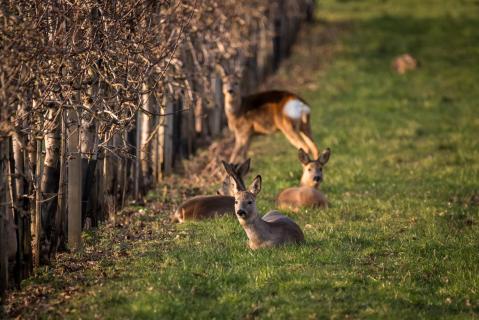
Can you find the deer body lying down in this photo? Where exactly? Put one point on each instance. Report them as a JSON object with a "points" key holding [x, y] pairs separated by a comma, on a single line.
{"points": [[264, 113], [307, 194], [299, 197], [273, 229], [203, 207]]}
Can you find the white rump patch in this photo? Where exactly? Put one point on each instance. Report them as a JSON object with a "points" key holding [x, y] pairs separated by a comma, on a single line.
{"points": [[295, 109]]}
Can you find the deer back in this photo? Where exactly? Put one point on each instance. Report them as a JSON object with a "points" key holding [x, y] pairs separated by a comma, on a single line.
{"points": [[272, 230], [283, 229], [203, 207]]}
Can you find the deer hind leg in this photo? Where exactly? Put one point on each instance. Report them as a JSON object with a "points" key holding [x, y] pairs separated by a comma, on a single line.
{"points": [[294, 137], [312, 146], [305, 132]]}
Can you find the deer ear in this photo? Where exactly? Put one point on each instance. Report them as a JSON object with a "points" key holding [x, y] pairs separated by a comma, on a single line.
{"points": [[244, 168], [255, 186], [228, 167], [324, 157], [303, 157], [230, 170], [236, 186], [225, 165]]}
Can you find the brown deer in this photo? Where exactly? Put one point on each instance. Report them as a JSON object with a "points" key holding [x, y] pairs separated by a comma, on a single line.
{"points": [[202, 207], [265, 113], [273, 229], [307, 194]]}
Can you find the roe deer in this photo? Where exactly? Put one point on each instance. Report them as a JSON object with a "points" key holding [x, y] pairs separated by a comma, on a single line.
{"points": [[307, 194], [265, 113], [202, 207], [273, 229]]}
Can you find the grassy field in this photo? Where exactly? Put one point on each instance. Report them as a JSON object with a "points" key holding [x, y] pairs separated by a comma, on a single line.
{"points": [[401, 239]]}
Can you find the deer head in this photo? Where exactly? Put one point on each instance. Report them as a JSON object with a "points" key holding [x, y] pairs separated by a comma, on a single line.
{"points": [[313, 169], [245, 199], [231, 93]]}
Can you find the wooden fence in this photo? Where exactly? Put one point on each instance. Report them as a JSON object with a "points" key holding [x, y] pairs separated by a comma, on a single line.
{"points": [[84, 130]]}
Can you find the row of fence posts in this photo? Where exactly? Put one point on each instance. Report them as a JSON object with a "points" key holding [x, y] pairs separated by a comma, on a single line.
{"points": [[55, 186]]}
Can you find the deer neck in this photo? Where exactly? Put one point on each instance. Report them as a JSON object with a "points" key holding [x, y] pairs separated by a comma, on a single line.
{"points": [[231, 105], [257, 230], [304, 184], [232, 102]]}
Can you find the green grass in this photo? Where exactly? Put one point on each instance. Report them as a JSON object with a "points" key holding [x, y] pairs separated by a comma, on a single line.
{"points": [[401, 239]]}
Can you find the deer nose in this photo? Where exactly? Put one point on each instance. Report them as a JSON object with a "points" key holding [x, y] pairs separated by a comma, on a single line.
{"points": [[241, 213], [318, 178]]}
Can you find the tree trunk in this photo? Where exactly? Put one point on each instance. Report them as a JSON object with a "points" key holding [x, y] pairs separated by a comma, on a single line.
{"points": [[145, 130]]}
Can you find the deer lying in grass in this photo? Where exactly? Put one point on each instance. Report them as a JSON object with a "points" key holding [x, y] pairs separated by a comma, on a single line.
{"points": [[265, 113], [307, 194], [273, 229], [202, 207]]}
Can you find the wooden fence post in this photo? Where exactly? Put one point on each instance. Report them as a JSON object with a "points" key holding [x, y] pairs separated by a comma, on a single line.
{"points": [[38, 205], [3, 215], [166, 137], [217, 111], [137, 156], [60, 241], [50, 181], [74, 181], [22, 216]]}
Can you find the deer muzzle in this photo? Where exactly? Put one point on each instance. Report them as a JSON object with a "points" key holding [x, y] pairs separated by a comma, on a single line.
{"points": [[241, 213]]}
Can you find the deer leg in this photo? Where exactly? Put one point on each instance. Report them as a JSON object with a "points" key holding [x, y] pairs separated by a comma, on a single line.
{"points": [[244, 148], [312, 146], [306, 135], [294, 138], [241, 147], [236, 150]]}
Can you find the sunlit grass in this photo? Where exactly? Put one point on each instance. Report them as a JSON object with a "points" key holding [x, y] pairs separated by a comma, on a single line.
{"points": [[401, 239]]}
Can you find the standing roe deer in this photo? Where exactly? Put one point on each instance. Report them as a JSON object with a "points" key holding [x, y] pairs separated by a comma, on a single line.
{"points": [[265, 113], [307, 194], [202, 207], [273, 229]]}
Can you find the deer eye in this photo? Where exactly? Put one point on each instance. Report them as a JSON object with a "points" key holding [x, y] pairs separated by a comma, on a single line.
{"points": [[250, 202], [236, 201], [309, 169]]}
